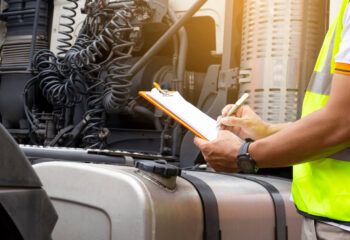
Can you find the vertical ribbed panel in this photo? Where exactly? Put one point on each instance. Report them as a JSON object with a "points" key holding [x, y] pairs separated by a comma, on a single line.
{"points": [[280, 43]]}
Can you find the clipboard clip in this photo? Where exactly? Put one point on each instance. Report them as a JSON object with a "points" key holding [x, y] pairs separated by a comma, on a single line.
{"points": [[162, 91]]}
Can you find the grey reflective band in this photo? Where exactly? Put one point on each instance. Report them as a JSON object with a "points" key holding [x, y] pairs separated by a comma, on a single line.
{"points": [[343, 155], [321, 82]]}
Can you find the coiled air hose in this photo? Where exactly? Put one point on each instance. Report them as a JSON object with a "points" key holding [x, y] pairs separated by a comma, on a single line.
{"points": [[67, 26], [91, 71]]}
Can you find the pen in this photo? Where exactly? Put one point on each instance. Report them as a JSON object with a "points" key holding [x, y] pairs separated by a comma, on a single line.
{"points": [[235, 106], [156, 85], [164, 92]]}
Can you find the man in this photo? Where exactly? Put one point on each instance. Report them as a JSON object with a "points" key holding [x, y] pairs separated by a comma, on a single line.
{"points": [[317, 145]]}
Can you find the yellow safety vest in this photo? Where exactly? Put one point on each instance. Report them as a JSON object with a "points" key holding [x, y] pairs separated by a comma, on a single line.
{"points": [[321, 187]]}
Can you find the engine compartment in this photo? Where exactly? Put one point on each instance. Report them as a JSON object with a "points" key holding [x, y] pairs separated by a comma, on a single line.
{"points": [[81, 90], [86, 95]]}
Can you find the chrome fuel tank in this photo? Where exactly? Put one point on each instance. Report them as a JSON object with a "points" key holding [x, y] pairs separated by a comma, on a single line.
{"points": [[100, 202]]}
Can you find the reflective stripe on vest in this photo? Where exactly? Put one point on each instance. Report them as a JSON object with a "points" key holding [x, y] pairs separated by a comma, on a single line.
{"points": [[321, 185], [321, 81]]}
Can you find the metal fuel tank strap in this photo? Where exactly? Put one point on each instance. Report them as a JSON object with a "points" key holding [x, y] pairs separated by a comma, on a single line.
{"points": [[281, 229], [211, 222]]}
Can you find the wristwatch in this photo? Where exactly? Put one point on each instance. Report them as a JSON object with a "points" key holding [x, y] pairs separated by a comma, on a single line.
{"points": [[244, 161]]}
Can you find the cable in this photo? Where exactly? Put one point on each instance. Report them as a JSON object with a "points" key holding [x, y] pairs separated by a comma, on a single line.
{"points": [[68, 26], [58, 90], [92, 72], [113, 42], [94, 134]]}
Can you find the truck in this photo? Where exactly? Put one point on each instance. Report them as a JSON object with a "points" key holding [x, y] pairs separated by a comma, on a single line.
{"points": [[107, 163]]}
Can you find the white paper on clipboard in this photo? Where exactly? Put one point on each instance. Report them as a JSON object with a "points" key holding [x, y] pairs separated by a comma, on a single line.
{"points": [[185, 111]]}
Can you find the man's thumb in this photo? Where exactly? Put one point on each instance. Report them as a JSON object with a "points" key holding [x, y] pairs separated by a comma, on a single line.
{"points": [[199, 142]]}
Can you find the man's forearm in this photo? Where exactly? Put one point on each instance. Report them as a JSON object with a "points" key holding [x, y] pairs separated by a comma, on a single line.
{"points": [[299, 141]]}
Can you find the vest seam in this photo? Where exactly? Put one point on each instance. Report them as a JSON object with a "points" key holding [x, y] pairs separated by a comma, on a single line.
{"points": [[322, 219]]}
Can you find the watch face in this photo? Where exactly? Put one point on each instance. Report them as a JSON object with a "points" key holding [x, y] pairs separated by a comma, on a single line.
{"points": [[246, 165], [244, 161]]}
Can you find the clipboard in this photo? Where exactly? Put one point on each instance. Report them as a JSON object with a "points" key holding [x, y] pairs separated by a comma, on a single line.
{"points": [[174, 105]]}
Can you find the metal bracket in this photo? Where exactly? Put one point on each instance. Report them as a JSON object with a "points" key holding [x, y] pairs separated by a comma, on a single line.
{"points": [[227, 78], [209, 87]]}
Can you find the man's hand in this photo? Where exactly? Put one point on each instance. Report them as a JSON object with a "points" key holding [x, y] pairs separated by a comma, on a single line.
{"points": [[221, 153], [245, 123]]}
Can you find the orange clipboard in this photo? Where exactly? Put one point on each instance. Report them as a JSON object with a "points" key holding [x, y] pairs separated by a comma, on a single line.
{"points": [[167, 111]]}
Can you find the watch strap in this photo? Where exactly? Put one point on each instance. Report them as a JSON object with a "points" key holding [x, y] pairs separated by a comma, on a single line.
{"points": [[243, 150]]}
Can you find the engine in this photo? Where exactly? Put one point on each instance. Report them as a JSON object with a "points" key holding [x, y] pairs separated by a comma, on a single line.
{"points": [[86, 94], [88, 86]]}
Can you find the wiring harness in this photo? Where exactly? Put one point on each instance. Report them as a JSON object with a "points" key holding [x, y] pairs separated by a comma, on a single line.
{"points": [[91, 73]]}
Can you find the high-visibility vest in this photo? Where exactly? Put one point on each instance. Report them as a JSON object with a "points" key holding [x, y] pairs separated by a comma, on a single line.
{"points": [[321, 187]]}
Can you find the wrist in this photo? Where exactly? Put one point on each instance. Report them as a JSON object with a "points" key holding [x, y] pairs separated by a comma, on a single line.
{"points": [[245, 162], [262, 153], [253, 151]]}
